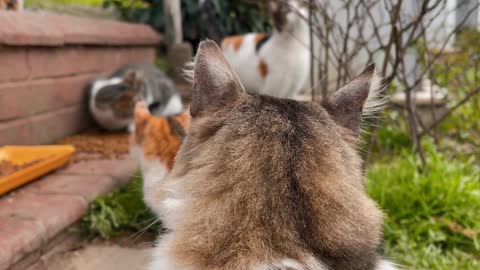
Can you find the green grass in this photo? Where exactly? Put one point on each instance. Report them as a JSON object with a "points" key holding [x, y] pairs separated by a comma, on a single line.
{"points": [[428, 215], [118, 211], [29, 3]]}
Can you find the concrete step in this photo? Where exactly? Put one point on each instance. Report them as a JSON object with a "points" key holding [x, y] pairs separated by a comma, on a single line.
{"points": [[32, 216]]}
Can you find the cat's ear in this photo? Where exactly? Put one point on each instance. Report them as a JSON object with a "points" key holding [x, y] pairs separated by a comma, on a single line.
{"points": [[357, 99], [141, 114], [215, 84]]}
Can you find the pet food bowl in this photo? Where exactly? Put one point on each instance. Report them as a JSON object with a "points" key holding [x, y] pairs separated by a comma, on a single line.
{"points": [[43, 159]]}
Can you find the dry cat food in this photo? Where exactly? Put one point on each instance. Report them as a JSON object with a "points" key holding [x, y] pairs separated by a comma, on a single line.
{"points": [[98, 145], [7, 167]]}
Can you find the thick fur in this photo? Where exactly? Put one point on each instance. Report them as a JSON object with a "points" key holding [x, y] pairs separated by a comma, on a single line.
{"points": [[277, 65], [266, 183], [154, 145]]}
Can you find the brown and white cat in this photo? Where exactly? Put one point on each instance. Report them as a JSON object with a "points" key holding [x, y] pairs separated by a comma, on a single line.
{"points": [[154, 145], [277, 64], [263, 183]]}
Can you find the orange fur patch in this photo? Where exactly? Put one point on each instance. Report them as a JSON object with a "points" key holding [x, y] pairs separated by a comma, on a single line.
{"points": [[235, 41], [262, 68], [156, 137], [259, 37]]}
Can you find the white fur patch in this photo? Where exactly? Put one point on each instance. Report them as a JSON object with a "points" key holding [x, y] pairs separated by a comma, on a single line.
{"points": [[174, 106], [309, 264], [105, 118], [375, 100], [153, 172], [386, 265], [99, 84]]}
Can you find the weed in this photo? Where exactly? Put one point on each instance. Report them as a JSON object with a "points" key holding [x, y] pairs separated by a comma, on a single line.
{"points": [[123, 209]]}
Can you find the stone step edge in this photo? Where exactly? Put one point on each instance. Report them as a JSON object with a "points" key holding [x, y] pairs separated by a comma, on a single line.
{"points": [[33, 215]]}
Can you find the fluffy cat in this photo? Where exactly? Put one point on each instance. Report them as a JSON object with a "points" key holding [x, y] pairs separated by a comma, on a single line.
{"points": [[268, 184], [277, 64], [112, 100], [154, 145], [263, 183]]}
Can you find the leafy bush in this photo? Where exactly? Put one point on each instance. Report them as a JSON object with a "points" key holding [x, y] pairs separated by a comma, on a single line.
{"points": [[123, 209], [236, 16], [432, 219]]}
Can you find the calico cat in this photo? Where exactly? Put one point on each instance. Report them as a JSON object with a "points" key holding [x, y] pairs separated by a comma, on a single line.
{"points": [[112, 100], [154, 145], [277, 64], [264, 183]]}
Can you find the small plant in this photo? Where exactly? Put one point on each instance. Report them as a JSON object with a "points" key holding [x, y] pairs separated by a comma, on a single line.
{"points": [[120, 210]]}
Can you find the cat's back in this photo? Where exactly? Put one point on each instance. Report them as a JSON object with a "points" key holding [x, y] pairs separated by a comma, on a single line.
{"points": [[157, 82]]}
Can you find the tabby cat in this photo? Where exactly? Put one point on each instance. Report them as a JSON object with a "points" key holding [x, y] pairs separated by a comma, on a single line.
{"points": [[154, 145], [265, 183], [112, 100]]}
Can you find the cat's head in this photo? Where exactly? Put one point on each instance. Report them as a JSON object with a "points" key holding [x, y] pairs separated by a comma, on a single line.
{"points": [[120, 94], [218, 91], [279, 155], [157, 138], [287, 15]]}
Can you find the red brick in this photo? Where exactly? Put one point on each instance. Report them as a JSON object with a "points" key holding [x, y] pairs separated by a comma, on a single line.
{"points": [[15, 132], [45, 128], [50, 62], [89, 187], [54, 212], [32, 97], [52, 126], [19, 236], [142, 55], [121, 56], [15, 100], [120, 170], [14, 64], [29, 28]]}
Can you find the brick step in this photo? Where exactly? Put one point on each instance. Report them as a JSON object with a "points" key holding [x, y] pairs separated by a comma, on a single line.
{"points": [[37, 213]]}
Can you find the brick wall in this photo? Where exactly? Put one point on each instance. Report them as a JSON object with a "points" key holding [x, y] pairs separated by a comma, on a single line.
{"points": [[46, 61]]}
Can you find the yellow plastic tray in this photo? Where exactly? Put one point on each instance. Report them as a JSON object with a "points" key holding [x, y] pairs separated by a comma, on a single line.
{"points": [[51, 156]]}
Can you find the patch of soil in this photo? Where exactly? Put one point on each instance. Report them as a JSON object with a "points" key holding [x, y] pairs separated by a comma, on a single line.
{"points": [[93, 145], [7, 167]]}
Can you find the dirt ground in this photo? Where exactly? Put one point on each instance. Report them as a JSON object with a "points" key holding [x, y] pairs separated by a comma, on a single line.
{"points": [[123, 253], [105, 257]]}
